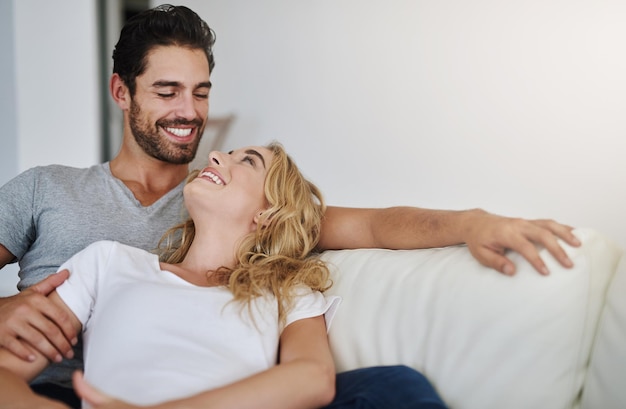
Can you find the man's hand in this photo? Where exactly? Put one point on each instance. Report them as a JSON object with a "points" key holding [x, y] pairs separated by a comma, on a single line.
{"points": [[490, 236], [30, 320]]}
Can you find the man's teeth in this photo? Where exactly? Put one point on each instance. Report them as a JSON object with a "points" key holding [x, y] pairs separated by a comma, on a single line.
{"points": [[213, 177], [181, 132]]}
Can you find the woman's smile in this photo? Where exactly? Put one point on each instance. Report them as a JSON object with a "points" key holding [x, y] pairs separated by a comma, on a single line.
{"points": [[212, 175]]}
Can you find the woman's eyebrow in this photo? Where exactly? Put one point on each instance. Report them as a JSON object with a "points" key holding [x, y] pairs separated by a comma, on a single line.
{"points": [[252, 152], [255, 153]]}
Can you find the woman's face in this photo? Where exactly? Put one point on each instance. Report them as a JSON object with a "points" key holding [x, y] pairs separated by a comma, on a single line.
{"points": [[231, 187]]}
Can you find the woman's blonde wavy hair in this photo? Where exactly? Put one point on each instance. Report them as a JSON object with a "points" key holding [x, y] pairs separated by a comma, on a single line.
{"points": [[280, 254]]}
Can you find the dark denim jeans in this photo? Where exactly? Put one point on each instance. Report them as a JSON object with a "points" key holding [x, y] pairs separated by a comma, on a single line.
{"points": [[380, 387], [60, 393], [385, 387]]}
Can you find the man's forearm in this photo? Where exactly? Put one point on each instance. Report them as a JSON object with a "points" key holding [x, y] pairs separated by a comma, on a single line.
{"points": [[394, 227], [416, 228], [488, 236]]}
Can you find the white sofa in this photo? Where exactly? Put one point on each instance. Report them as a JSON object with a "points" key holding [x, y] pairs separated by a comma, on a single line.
{"points": [[483, 339]]}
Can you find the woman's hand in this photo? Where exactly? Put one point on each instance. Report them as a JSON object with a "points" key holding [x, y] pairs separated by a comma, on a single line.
{"points": [[96, 398]]}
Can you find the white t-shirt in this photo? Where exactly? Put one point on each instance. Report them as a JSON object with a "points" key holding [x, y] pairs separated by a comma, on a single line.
{"points": [[150, 336], [49, 213]]}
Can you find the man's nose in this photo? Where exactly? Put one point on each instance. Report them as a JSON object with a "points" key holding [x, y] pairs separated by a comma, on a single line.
{"points": [[186, 108]]}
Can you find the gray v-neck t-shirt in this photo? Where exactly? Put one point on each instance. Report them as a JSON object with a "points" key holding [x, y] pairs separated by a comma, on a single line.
{"points": [[49, 213]]}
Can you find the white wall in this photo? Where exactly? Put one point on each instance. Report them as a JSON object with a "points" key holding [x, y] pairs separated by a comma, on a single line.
{"points": [[49, 95], [515, 107], [8, 153], [57, 82]]}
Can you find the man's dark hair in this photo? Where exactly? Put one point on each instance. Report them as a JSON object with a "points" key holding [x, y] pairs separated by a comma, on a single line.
{"points": [[164, 25]]}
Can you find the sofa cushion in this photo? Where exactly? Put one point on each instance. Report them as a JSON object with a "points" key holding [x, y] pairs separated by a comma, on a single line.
{"points": [[485, 340]]}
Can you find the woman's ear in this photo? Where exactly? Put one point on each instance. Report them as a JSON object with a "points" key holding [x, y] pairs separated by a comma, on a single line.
{"points": [[259, 216]]}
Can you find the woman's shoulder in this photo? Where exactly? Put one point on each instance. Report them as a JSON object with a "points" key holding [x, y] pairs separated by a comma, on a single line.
{"points": [[117, 248], [309, 303]]}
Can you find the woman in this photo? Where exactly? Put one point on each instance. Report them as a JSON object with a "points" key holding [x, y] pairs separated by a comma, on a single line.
{"points": [[230, 315], [234, 282]]}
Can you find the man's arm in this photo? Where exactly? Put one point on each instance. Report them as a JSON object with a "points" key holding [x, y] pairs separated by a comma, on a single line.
{"points": [[304, 378], [5, 256], [487, 236], [15, 373], [29, 320]]}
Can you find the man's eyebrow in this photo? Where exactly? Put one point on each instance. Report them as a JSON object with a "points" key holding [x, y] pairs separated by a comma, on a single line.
{"points": [[165, 83]]}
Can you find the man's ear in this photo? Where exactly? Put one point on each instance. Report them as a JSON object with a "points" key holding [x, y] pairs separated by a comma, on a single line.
{"points": [[119, 92]]}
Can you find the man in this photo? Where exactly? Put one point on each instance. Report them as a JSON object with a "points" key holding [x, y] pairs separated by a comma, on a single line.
{"points": [[48, 214]]}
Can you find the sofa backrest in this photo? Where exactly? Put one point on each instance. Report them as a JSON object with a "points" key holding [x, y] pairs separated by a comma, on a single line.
{"points": [[483, 339]]}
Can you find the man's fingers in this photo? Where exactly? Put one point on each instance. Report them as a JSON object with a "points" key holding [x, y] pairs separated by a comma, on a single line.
{"points": [[57, 325], [527, 248], [48, 285], [22, 336], [494, 259], [57, 334], [33, 319], [48, 339], [492, 235], [18, 348], [562, 231], [32, 332], [553, 246], [58, 328], [545, 234]]}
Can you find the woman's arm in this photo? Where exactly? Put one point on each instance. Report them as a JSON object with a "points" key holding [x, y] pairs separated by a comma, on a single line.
{"points": [[15, 373], [304, 378], [16, 394], [487, 236]]}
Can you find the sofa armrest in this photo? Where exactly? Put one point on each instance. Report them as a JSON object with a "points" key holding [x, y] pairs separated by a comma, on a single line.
{"points": [[485, 340], [605, 383]]}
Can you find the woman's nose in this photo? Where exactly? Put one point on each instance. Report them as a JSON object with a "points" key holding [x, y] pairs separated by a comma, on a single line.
{"points": [[216, 158]]}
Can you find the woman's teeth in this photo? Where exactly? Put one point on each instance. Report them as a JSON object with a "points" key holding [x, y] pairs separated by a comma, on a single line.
{"points": [[213, 177]]}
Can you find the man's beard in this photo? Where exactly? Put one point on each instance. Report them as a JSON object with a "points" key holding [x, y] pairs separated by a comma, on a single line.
{"points": [[157, 146]]}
